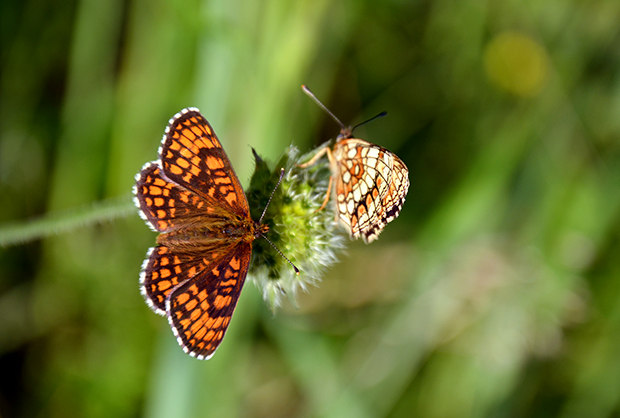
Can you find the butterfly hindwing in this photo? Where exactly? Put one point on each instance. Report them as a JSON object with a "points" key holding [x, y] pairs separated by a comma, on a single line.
{"points": [[200, 309]]}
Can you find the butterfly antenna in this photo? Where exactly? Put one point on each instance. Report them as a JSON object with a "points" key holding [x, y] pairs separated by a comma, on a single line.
{"points": [[322, 106], [260, 221], [380, 115]]}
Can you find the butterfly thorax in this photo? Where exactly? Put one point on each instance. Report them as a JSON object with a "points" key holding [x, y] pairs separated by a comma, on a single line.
{"points": [[215, 233]]}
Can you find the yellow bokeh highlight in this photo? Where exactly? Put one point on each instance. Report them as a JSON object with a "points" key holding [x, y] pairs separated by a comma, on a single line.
{"points": [[516, 63]]}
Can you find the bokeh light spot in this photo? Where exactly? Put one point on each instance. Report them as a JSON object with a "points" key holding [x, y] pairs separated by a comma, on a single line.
{"points": [[516, 63]]}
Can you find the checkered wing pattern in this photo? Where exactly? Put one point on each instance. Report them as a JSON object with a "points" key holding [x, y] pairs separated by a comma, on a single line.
{"points": [[193, 198], [371, 184], [200, 309], [192, 157]]}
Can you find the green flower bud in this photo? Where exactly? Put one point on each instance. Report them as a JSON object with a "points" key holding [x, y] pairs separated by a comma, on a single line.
{"points": [[309, 238]]}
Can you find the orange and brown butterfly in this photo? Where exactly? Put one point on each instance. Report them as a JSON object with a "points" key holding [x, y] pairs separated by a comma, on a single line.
{"points": [[371, 183], [193, 198]]}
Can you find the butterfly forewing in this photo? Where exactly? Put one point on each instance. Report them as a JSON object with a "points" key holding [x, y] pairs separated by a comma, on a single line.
{"points": [[192, 157]]}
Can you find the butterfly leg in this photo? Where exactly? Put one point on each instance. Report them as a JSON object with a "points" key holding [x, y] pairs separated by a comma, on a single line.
{"points": [[330, 157], [329, 189], [316, 157]]}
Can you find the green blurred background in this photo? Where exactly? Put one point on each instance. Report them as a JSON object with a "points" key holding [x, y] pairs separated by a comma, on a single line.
{"points": [[495, 294]]}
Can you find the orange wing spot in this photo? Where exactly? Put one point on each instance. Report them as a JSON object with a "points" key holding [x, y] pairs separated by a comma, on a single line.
{"points": [[155, 275], [174, 145], [159, 201], [161, 286], [189, 134], [207, 141], [194, 315], [161, 214], [204, 305], [175, 169], [196, 129], [226, 321], [195, 170], [155, 191], [164, 273], [186, 153], [229, 273], [194, 289], [218, 322], [201, 333], [159, 182], [210, 335], [183, 163], [164, 261], [221, 302], [189, 144], [172, 212], [188, 178], [209, 321], [215, 272], [235, 263], [196, 160], [231, 198], [189, 306], [182, 299], [192, 271], [184, 197], [214, 163], [221, 180], [185, 323], [162, 225], [228, 283], [202, 295], [196, 325]]}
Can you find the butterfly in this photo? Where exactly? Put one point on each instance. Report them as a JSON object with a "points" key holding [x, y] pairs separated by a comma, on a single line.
{"points": [[193, 198], [371, 183]]}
